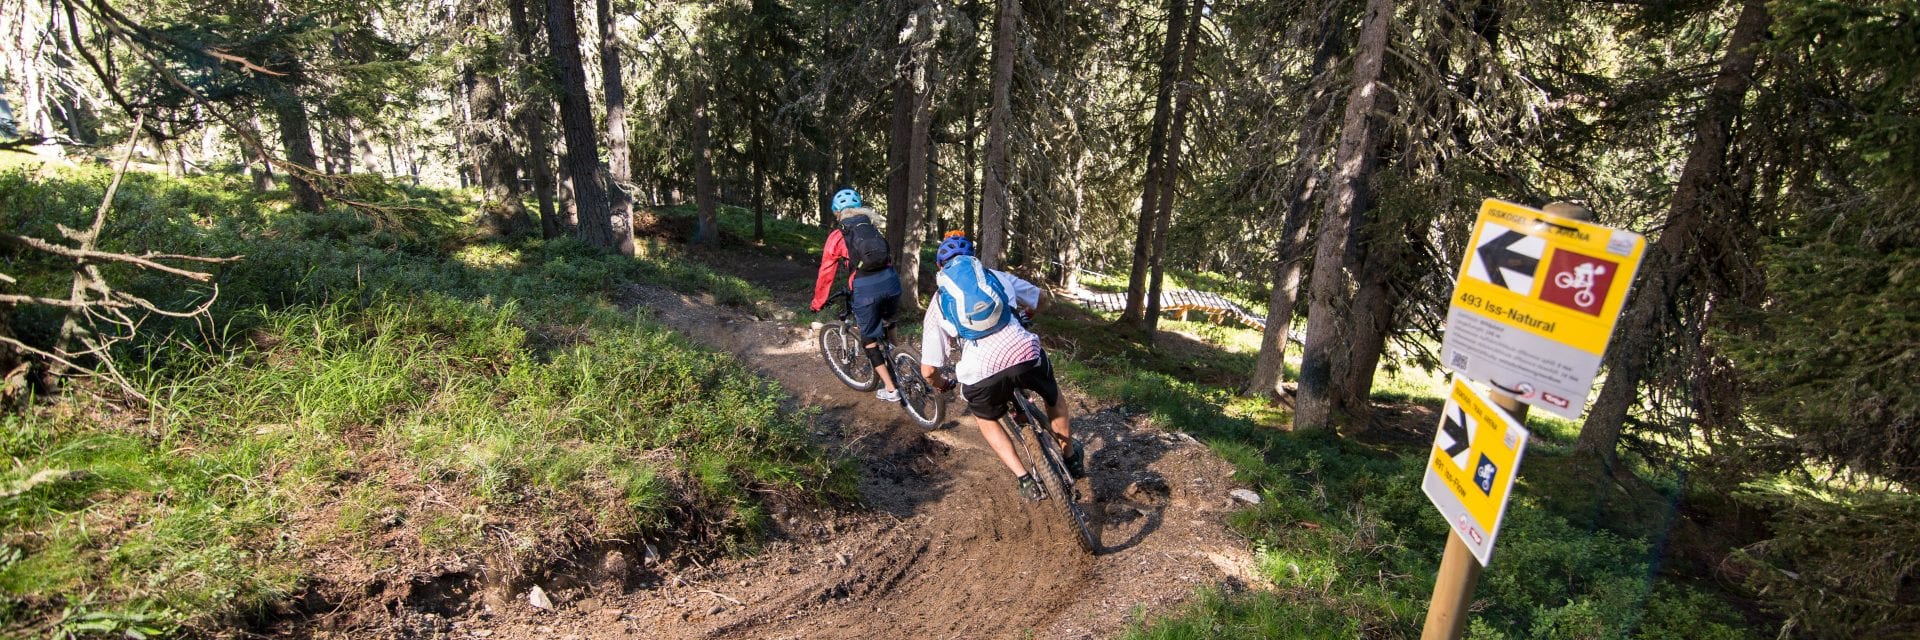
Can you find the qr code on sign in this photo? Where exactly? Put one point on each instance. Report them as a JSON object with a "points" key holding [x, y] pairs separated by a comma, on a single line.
{"points": [[1459, 361]]}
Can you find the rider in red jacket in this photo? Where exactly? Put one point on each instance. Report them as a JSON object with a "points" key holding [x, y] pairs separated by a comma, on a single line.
{"points": [[876, 294]]}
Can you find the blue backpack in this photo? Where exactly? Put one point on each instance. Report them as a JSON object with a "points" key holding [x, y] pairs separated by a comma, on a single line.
{"points": [[972, 300]]}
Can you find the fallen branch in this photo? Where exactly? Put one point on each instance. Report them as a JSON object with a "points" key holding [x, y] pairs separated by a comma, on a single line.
{"points": [[143, 261]]}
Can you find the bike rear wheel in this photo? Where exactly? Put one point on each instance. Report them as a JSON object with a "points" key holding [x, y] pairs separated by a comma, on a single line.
{"points": [[926, 404], [1052, 472], [841, 349]]}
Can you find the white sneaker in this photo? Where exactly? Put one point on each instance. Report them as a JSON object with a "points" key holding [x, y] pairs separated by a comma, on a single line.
{"points": [[887, 395]]}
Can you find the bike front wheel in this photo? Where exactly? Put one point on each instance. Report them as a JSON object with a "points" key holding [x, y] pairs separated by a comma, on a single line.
{"points": [[841, 349], [927, 405], [1053, 473]]}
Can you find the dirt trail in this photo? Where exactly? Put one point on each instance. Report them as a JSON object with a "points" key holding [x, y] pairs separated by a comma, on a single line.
{"points": [[944, 548]]}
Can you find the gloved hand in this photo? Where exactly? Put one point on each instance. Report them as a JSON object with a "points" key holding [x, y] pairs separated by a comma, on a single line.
{"points": [[816, 308]]}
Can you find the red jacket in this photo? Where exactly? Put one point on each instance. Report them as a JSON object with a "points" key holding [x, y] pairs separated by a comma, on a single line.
{"points": [[830, 259]]}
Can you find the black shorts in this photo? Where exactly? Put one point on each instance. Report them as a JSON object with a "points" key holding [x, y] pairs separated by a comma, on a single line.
{"points": [[987, 399]]}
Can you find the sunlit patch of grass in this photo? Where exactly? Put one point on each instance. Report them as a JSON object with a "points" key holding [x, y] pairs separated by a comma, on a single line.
{"points": [[488, 256], [1411, 385]]}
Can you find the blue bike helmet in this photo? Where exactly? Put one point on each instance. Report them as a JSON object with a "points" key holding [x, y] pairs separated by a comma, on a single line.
{"points": [[954, 245], [845, 199]]}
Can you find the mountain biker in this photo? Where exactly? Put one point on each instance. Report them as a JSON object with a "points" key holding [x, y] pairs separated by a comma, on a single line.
{"points": [[1005, 358], [876, 287]]}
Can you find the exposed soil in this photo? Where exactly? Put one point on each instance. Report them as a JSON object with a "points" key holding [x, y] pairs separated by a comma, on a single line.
{"points": [[942, 546]]}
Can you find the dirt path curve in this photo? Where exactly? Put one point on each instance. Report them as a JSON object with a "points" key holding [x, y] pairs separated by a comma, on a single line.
{"points": [[945, 548]]}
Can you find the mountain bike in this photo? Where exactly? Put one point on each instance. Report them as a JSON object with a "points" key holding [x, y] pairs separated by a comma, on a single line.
{"points": [[1040, 452], [840, 345]]}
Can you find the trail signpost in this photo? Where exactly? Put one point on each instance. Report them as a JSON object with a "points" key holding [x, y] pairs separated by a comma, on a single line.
{"points": [[1533, 308], [1535, 303]]}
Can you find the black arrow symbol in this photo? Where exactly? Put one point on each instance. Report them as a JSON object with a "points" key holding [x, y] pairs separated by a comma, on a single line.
{"points": [[1456, 431], [1499, 254]]}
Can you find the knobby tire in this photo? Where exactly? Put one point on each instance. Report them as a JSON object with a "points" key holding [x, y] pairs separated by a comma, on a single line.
{"points": [[842, 352], [925, 404], [1052, 472]]}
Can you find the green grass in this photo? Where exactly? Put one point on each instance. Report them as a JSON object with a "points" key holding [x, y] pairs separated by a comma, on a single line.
{"points": [[385, 390]]}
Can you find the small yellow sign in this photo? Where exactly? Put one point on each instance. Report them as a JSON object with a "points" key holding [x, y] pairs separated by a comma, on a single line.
{"points": [[1470, 473], [1535, 302]]}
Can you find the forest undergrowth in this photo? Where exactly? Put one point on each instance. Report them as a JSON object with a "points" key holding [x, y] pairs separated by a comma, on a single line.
{"points": [[371, 400]]}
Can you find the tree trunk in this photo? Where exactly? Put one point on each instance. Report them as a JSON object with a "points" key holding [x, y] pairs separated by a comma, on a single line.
{"points": [[823, 178], [1632, 353], [708, 231], [1301, 186], [1134, 315], [1354, 160], [1170, 167], [619, 157], [995, 200], [530, 121], [757, 140], [1070, 252], [970, 171], [576, 125], [504, 212], [619, 169], [296, 138], [900, 130], [919, 143], [261, 168]]}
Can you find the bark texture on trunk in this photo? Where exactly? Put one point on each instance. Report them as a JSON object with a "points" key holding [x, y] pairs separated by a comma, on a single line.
{"points": [[900, 130], [995, 199], [261, 168], [1170, 167], [757, 145], [296, 141], [1631, 356], [1354, 160], [1302, 185], [576, 125], [919, 143], [1135, 311], [704, 198], [531, 121], [619, 159], [504, 211]]}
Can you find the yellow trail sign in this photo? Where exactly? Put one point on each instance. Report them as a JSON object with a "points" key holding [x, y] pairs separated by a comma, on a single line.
{"points": [[1535, 303], [1470, 471]]}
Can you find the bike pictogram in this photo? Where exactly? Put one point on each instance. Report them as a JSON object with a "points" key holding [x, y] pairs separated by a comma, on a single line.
{"points": [[1581, 280], [1578, 281]]}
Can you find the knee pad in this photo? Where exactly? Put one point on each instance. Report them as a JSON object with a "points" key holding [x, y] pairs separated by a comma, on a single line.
{"points": [[874, 357]]}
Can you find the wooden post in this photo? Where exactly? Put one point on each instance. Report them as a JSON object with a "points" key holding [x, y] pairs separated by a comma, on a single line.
{"points": [[1459, 570]]}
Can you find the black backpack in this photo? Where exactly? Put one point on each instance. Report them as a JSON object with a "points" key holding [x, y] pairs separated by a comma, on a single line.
{"points": [[865, 246]]}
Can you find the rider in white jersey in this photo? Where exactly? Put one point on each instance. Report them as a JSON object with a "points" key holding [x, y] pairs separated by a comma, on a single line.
{"points": [[992, 367]]}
